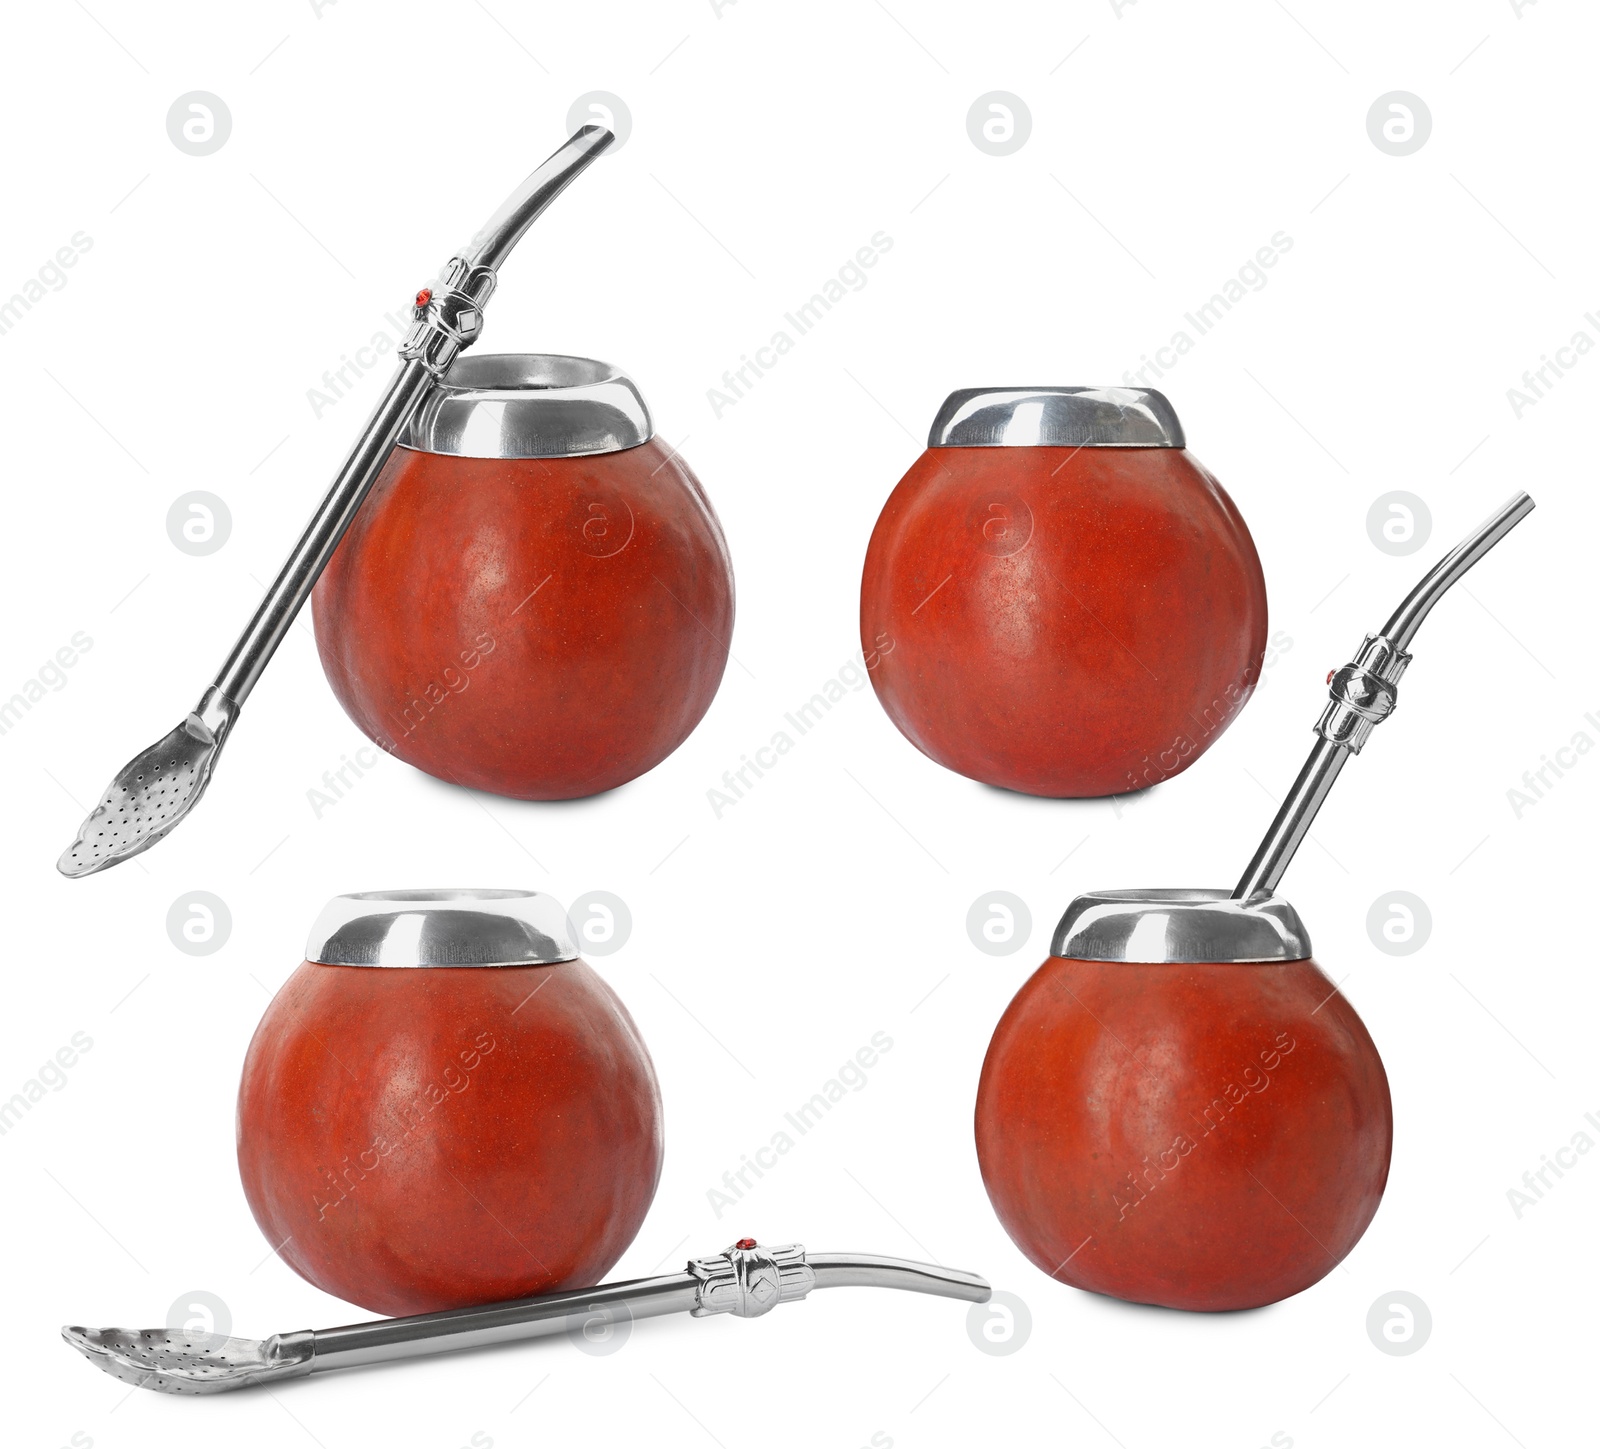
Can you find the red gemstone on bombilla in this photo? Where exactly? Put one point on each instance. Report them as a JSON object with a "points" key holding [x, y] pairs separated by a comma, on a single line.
{"points": [[424, 296], [745, 1244]]}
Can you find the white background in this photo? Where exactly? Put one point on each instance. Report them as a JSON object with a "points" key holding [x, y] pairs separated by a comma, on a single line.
{"points": [[768, 144]]}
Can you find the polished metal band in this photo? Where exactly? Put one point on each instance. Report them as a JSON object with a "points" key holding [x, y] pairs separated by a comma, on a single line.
{"points": [[1056, 417], [442, 928], [1165, 927], [530, 405]]}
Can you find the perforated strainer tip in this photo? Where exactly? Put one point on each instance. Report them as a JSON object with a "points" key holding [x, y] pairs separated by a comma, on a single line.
{"points": [[150, 794], [180, 1363]]}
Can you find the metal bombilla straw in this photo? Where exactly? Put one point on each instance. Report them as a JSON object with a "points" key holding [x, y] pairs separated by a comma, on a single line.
{"points": [[745, 1280], [1361, 697], [157, 788]]}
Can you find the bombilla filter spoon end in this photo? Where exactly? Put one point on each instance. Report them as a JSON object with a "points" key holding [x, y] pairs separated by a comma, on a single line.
{"points": [[152, 792]]}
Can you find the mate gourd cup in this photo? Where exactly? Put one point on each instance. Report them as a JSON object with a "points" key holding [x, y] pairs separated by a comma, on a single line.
{"points": [[1180, 1108], [1060, 599], [444, 1106], [536, 598]]}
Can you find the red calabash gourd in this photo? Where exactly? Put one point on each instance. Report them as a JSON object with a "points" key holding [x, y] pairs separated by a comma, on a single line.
{"points": [[414, 1137], [1197, 1134], [536, 598], [1057, 598]]}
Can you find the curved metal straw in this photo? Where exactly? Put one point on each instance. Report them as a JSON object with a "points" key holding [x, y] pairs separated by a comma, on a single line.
{"points": [[746, 1280], [1362, 694]]}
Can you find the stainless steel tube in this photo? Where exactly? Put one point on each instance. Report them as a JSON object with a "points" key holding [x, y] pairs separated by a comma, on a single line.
{"points": [[1407, 619], [1293, 821], [725, 1283], [426, 1333], [299, 574], [397, 1338], [863, 1270], [493, 242]]}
